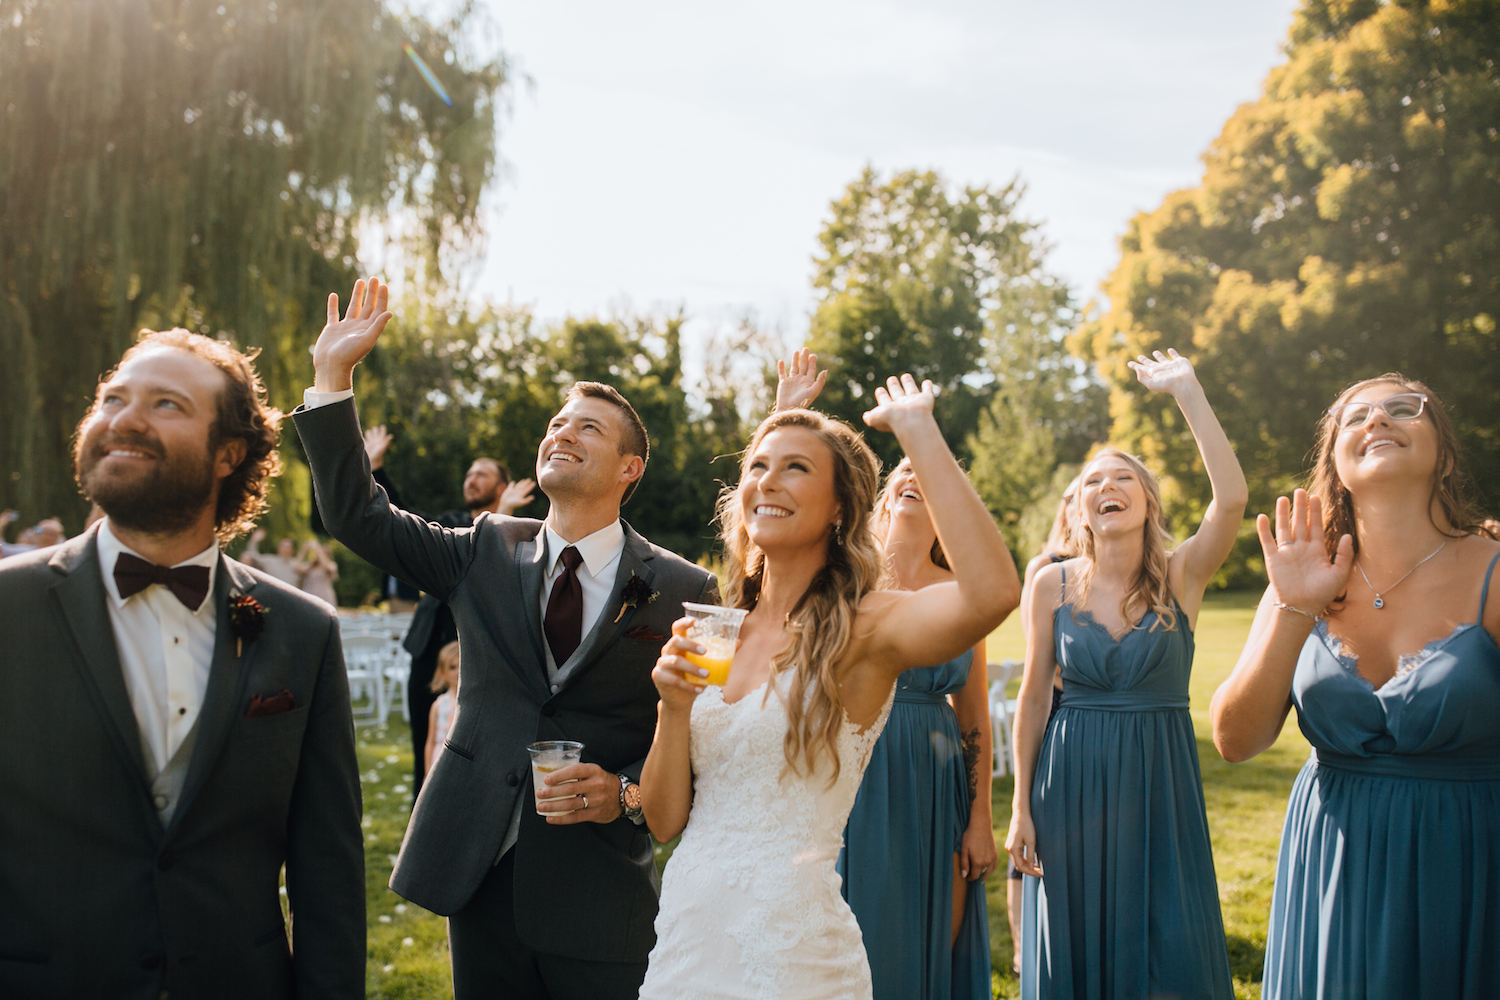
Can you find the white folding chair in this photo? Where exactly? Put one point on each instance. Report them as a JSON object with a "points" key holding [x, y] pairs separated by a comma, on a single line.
{"points": [[365, 659], [1002, 710], [395, 677]]}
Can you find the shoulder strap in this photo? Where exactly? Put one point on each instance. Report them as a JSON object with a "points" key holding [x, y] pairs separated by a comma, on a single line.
{"points": [[1062, 591], [1485, 593]]}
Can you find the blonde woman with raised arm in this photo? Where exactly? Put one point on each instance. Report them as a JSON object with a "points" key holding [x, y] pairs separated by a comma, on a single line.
{"points": [[1108, 821], [758, 777], [1377, 627]]}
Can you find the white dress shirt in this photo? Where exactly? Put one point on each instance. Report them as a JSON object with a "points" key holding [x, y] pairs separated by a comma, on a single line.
{"points": [[165, 649], [596, 575]]}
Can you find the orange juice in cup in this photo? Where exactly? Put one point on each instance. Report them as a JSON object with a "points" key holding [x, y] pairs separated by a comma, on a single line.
{"points": [[717, 630]]}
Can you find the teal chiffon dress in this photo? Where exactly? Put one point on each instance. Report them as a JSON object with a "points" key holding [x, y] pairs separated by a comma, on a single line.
{"points": [[1128, 905], [1388, 883], [897, 861]]}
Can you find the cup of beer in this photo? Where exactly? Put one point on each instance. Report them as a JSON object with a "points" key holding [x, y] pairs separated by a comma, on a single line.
{"points": [[717, 630], [546, 757]]}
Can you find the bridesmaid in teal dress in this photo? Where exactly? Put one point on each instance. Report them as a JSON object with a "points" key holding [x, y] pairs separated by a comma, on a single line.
{"points": [[920, 840], [1108, 822], [1380, 628]]}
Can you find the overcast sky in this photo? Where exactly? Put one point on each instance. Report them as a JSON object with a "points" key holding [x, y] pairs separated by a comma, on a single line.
{"points": [[671, 154]]}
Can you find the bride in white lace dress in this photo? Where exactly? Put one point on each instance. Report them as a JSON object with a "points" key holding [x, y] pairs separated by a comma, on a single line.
{"points": [[759, 776]]}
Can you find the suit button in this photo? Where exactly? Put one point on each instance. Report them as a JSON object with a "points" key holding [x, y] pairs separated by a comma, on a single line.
{"points": [[512, 780], [548, 711], [167, 860], [160, 802], [151, 962]]}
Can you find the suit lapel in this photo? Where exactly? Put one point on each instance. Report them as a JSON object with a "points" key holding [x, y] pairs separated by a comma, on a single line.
{"points": [[635, 560], [226, 682], [530, 568], [82, 597]]}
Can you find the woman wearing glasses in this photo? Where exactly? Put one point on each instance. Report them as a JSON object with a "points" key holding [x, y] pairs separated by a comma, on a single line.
{"points": [[1377, 627], [1108, 816]]}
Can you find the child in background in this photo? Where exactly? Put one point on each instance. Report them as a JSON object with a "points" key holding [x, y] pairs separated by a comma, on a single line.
{"points": [[444, 679]]}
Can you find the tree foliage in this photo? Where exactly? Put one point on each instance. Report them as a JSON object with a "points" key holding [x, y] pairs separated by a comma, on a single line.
{"points": [[953, 287], [1347, 224], [909, 276], [206, 163]]}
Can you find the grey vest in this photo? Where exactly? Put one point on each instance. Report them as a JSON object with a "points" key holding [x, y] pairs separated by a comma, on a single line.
{"points": [[166, 784]]}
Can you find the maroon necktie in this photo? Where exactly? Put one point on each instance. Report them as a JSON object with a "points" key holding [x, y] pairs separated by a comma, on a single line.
{"points": [[189, 583], [563, 622]]}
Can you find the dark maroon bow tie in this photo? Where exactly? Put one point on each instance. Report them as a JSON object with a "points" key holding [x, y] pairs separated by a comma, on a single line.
{"points": [[189, 583]]}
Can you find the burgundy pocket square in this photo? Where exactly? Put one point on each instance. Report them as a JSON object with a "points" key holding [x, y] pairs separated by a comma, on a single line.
{"points": [[644, 633], [271, 704]]}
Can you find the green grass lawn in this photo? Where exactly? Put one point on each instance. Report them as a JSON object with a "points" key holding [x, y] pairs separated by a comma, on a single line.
{"points": [[408, 948]]}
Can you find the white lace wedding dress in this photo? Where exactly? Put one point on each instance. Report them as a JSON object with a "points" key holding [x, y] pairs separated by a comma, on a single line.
{"points": [[750, 903]]}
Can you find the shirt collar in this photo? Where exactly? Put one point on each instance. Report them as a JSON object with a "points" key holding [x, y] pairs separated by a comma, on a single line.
{"points": [[598, 550], [110, 548]]}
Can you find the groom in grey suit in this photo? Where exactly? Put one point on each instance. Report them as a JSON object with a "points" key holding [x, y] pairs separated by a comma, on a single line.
{"points": [[174, 726], [560, 622]]}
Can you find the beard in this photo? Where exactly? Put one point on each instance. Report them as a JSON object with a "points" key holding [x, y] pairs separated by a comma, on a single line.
{"points": [[482, 501], [166, 498]]}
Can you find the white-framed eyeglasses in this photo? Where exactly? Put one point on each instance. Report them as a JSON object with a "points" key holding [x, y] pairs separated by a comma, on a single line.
{"points": [[1402, 406]]}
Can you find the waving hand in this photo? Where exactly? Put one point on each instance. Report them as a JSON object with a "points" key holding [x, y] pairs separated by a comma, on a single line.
{"points": [[345, 342]]}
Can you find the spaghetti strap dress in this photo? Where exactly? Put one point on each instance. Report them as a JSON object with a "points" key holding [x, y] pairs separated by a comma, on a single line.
{"points": [[1388, 881], [1128, 904], [897, 862]]}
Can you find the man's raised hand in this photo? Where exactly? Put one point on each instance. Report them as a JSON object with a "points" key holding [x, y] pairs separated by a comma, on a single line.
{"points": [[345, 342]]}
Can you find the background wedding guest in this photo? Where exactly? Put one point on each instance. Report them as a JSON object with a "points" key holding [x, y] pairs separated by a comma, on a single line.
{"points": [[282, 564], [1379, 627], [560, 622], [920, 838], [488, 487], [7, 518], [174, 726], [1108, 818], [316, 572], [445, 686]]}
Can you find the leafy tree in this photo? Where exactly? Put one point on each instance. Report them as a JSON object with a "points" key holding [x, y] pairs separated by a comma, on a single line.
{"points": [[1347, 224], [207, 163], [910, 278]]}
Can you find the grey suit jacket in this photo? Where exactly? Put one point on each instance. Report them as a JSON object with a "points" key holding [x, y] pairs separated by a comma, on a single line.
{"points": [[97, 899], [598, 880]]}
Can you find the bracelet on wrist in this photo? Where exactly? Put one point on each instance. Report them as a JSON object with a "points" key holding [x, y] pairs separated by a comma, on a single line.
{"points": [[1306, 614]]}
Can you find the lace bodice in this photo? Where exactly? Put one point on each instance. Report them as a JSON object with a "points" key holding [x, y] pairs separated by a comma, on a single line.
{"points": [[750, 900]]}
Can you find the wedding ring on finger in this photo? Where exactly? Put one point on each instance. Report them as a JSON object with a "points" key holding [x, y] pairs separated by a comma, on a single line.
{"points": [[585, 799]]}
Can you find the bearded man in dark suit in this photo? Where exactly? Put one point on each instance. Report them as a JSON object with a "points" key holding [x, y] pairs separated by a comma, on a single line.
{"points": [[560, 623], [174, 726]]}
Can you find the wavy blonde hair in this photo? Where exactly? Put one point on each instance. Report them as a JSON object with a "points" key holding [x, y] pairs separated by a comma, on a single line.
{"points": [[1150, 589], [1061, 540], [822, 623], [880, 523]]}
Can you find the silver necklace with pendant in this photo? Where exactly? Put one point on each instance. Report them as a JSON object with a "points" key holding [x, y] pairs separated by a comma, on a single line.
{"points": [[1379, 600]]}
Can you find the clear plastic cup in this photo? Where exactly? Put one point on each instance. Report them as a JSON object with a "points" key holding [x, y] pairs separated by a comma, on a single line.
{"points": [[718, 631], [546, 757]]}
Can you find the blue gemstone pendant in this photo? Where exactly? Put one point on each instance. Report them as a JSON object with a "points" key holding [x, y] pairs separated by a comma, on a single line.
{"points": [[1379, 602]]}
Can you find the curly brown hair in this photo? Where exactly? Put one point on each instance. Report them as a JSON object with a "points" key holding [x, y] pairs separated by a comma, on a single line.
{"points": [[243, 413]]}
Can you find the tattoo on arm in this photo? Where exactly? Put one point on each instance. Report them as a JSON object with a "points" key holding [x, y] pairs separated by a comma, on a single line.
{"points": [[971, 761]]}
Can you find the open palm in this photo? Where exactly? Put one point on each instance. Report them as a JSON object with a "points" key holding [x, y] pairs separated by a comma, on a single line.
{"points": [[1170, 372], [899, 401], [1297, 557], [345, 342]]}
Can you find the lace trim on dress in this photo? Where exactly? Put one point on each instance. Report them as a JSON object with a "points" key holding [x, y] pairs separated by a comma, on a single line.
{"points": [[1405, 663]]}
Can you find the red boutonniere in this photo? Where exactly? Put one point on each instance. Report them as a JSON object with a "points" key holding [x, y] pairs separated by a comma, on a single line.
{"points": [[636, 591], [247, 619]]}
